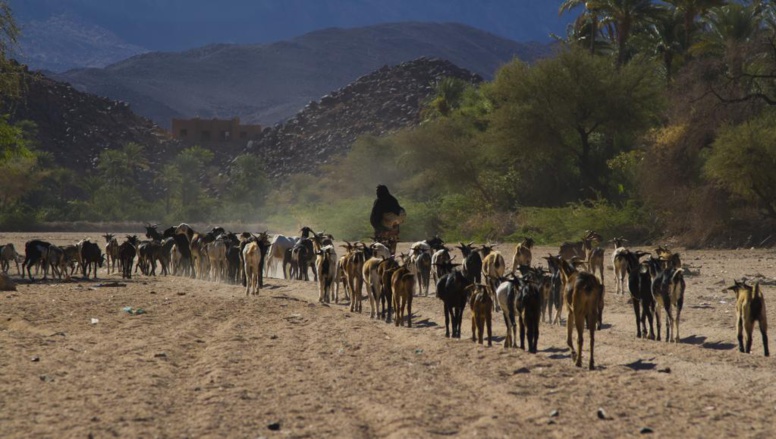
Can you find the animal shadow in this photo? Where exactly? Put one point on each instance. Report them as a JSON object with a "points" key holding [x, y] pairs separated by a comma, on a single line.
{"points": [[425, 323], [695, 340], [554, 350], [642, 364], [719, 346]]}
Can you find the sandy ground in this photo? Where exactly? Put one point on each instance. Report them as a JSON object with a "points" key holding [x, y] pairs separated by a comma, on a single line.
{"points": [[206, 361]]}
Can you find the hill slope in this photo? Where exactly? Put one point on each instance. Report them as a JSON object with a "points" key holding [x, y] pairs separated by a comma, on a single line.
{"points": [[382, 101], [267, 83], [75, 127]]}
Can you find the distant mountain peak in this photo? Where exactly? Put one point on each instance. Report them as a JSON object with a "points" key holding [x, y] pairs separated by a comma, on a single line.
{"points": [[65, 41]]}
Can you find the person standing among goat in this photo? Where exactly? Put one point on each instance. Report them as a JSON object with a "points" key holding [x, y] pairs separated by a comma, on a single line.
{"points": [[386, 217]]}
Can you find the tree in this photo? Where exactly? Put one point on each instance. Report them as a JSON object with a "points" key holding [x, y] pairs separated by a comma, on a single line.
{"points": [[248, 183], [9, 34], [691, 10], [573, 112], [619, 18], [742, 160]]}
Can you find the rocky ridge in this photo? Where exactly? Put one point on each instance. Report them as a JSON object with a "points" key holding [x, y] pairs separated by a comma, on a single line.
{"points": [[375, 104], [75, 127]]}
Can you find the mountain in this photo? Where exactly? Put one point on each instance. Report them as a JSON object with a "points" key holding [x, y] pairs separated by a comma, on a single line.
{"points": [[383, 101], [75, 127], [64, 42], [176, 25], [267, 83]]}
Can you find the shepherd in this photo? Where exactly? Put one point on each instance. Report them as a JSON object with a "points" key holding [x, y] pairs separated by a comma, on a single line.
{"points": [[386, 216]]}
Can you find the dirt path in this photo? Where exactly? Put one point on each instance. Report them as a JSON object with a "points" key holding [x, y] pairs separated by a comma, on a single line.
{"points": [[205, 361]]}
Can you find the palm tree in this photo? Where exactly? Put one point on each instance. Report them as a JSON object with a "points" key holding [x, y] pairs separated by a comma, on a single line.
{"points": [[664, 37], [618, 17], [691, 10]]}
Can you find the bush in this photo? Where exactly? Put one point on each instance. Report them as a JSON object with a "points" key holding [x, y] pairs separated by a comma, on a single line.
{"points": [[556, 225]]}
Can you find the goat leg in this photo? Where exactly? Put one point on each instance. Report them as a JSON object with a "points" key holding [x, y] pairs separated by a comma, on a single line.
{"points": [[764, 332], [638, 317], [592, 347]]}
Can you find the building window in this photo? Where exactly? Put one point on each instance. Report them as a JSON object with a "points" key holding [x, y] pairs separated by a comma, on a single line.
{"points": [[184, 132], [225, 135], [205, 135]]}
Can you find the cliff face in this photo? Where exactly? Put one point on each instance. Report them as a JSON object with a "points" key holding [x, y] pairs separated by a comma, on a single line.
{"points": [[380, 102]]}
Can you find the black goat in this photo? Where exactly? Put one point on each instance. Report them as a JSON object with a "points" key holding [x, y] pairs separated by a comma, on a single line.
{"points": [[640, 287], [35, 252], [472, 263], [91, 257], [127, 253], [451, 289]]}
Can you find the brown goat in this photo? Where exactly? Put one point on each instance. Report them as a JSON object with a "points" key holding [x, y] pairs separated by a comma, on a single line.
{"points": [[583, 295], [481, 304], [522, 253], [493, 267], [750, 308], [595, 261], [668, 259], [579, 249], [402, 283]]}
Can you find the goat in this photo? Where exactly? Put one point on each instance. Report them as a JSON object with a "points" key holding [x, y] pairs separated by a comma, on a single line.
{"points": [[493, 267], [8, 254], [668, 290], [56, 261], [750, 308], [528, 307], [379, 250], [640, 287], [252, 260], [523, 253], [127, 252], [440, 263], [91, 257], [472, 263], [481, 304], [372, 280], [595, 261], [555, 293], [506, 293], [583, 293], [278, 248], [421, 261], [668, 259], [402, 284], [385, 270], [72, 258], [569, 250], [451, 289], [620, 265], [326, 265], [35, 252], [111, 251]]}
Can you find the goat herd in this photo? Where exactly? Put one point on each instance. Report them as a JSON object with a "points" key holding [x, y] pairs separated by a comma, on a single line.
{"points": [[525, 295]]}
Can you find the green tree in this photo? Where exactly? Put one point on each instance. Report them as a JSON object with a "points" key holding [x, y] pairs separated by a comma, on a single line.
{"points": [[619, 18], [9, 34], [742, 160], [572, 113], [191, 165], [691, 11], [248, 183]]}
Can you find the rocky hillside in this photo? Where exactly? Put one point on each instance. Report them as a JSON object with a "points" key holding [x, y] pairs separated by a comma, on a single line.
{"points": [[75, 127], [383, 101], [268, 83]]}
